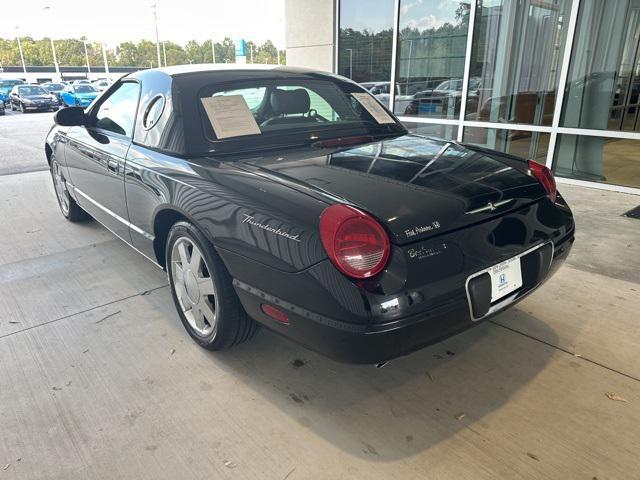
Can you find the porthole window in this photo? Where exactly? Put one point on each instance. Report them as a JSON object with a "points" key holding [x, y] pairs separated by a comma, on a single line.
{"points": [[153, 112]]}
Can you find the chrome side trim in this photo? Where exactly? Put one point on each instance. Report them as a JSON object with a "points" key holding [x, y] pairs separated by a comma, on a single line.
{"points": [[75, 189], [509, 299], [133, 227]]}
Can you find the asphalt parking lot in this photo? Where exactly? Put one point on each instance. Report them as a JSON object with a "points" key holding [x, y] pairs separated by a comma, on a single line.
{"points": [[98, 378]]}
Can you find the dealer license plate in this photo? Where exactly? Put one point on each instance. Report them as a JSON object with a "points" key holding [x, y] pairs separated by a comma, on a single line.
{"points": [[506, 277]]}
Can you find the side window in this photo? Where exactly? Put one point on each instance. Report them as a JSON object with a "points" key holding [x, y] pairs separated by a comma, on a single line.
{"points": [[253, 96], [153, 112], [117, 113]]}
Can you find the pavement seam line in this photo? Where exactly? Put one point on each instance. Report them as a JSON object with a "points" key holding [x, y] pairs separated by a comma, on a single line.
{"points": [[21, 172], [631, 377], [140, 294]]}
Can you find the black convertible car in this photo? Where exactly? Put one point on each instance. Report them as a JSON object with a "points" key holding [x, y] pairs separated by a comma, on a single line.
{"points": [[293, 199]]}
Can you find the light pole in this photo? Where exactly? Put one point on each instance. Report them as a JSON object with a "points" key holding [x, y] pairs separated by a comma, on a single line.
{"points": [[350, 50], [406, 88], [164, 52], [86, 56], [154, 7], [251, 61], [53, 47], [24, 67], [104, 58], [213, 50]]}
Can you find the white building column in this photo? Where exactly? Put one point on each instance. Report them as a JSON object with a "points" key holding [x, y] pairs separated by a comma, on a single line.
{"points": [[310, 33]]}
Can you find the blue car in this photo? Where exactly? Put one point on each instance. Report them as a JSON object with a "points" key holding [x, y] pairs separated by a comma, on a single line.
{"points": [[78, 95], [6, 86]]}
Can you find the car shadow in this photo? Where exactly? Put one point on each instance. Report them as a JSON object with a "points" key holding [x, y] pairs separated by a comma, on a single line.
{"points": [[409, 405]]}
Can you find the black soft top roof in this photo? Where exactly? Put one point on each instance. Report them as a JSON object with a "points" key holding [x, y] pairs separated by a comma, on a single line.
{"points": [[181, 129]]}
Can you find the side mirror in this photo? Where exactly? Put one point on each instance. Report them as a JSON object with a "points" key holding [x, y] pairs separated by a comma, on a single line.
{"points": [[70, 117]]}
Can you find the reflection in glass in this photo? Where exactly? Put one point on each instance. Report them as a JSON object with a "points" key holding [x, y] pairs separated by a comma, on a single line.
{"points": [[365, 42], [603, 85], [431, 52], [530, 145], [515, 58], [608, 160], [448, 132]]}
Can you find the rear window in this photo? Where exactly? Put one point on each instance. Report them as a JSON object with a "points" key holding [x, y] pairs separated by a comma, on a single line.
{"points": [[295, 111]]}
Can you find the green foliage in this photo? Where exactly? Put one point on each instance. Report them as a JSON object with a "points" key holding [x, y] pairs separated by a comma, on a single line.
{"points": [[71, 52]]}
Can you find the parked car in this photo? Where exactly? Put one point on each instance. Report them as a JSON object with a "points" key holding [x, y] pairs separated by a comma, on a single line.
{"points": [[6, 86], [101, 85], [340, 231], [31, 97], [79, 95], [444, 99], [381, 90], [54, 88], [82, 81]]}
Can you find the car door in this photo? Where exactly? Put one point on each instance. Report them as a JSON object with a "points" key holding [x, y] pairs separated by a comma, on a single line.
{"points": [[95, 156]]}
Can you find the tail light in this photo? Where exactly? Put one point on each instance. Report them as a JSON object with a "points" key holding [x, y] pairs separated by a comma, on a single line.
{"points": [[355, 242], [545, 177]]}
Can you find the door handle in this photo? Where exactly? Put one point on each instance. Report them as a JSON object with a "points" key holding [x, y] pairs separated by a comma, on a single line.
{"points": [[113, 166]]}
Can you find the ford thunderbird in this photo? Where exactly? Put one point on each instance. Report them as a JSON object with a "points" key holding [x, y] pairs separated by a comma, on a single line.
{"points": [[295, 200]]}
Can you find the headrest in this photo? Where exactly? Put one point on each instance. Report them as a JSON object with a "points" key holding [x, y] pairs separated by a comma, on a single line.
{"points": [[290, 101]]}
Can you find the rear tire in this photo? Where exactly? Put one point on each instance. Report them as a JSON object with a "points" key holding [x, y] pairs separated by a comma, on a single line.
{"points": [[202, 292], [68, 206]]}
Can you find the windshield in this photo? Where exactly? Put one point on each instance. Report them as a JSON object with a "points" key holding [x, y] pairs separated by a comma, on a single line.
{"points": [[83, 89], [55, 87], [276, 113], [31, 90]]}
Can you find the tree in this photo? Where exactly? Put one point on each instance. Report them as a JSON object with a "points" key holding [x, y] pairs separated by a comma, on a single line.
{"points": [[71, 52]]}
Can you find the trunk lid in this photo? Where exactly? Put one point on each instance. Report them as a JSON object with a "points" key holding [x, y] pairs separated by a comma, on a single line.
{"points": [[417, 187]]}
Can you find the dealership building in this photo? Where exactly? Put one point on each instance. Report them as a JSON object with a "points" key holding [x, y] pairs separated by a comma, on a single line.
{"points": [[557, 81]]}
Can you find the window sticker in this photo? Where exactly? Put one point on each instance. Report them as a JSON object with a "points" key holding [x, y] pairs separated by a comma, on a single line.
{"points": [[372, 106], [230, 116]]}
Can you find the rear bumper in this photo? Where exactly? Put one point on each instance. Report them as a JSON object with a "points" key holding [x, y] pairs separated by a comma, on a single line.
{"points": [[373, 343]]}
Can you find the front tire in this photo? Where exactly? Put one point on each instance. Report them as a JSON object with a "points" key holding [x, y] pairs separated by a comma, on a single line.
{"points": [[202, 291], [22, 107], [68, 206]]}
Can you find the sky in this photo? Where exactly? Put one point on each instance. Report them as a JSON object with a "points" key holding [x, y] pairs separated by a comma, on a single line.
{"points": [[378, 16], [178, 20]]}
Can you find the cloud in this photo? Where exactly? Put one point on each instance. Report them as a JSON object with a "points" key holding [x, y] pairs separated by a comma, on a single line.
{"points": [[425, 23], [408, 6]]}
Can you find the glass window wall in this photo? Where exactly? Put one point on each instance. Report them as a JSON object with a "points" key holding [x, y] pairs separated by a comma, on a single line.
{"points": [[432, 44], [515, 60], [603, 85], [365, 43]]}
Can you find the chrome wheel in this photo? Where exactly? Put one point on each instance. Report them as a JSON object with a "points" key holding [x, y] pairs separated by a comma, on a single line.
{"points": [[60, 187], [194, 286]]}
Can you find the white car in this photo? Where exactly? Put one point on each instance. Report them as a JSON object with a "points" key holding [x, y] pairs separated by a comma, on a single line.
{"points": [[101, 85]]}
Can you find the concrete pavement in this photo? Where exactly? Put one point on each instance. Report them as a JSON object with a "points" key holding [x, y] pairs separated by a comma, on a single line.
{"points": [[22, 138], [98, 378]]}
